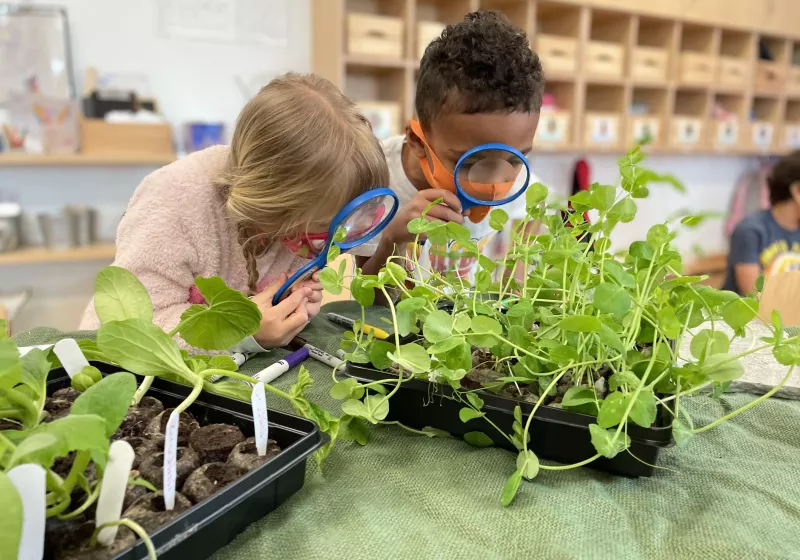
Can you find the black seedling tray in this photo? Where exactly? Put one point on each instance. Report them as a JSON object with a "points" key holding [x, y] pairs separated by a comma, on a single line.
{"points": [[212, 524], [556, 434]]}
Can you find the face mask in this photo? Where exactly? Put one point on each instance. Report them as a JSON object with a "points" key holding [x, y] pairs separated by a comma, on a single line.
{"points": [[441, 178], [306, 246]]}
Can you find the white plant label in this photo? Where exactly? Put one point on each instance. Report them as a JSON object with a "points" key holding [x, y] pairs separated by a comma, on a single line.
{"points": [[30, 483], [170, 458], [112, 492], [71, 356], [259, 402]]}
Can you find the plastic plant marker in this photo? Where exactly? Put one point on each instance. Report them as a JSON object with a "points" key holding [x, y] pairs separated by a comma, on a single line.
{"points": [[112, 492], [259, 402], [71, 356], [170, 458], [30, 482]]}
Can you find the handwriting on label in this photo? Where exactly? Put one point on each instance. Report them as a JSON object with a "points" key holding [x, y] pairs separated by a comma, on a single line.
{"points": [[112, 492], [71, 356], [170, 458], [261, 424], [30, 483]]}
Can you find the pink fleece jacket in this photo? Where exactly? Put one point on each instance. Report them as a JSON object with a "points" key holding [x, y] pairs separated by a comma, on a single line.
{"points": [[176, 229]]}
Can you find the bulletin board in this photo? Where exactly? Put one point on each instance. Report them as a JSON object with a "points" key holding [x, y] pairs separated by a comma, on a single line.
{"points": [[35, 52]]}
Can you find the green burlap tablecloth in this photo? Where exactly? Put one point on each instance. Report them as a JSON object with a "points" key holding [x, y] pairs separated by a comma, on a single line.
{"points": [[732, 493]]}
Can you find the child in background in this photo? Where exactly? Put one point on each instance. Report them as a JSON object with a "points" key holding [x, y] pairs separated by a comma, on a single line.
{"points": [[300, 152], [478, 83], [768, 242]]}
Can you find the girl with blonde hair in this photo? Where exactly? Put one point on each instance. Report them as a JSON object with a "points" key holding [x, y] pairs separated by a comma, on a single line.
{"points": [[300, 152]]}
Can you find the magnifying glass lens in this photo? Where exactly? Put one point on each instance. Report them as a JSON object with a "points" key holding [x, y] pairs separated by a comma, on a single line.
{"points": [[367, 217], [490, 174]]}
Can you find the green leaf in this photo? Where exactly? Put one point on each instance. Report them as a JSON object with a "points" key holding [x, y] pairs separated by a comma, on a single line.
{"points": [[329, 278], [601, 197], [353, 429], [443, 347], [679, 281], [488, 328], [618, 273], [459, 233], [612, 411], [604, 443], [787, 354], [577, 396], [498, 219], [406, 323], [611, 298], [511, 487], [478, 439], [354, 407], [412, 304], [681, 432], [641, 250], [412, 357], [35, 368], [119, 295], [518, 414], [109, 399], [657, 236], [379, 354], [224, 363], [467, 414], [84, 432], [708, 342], [739, 312], [34, 443], [486, 263], [344, 389], [483, 281], [475, 400], [760, 283], [623, 378], [563, 354], [228, 318], [623, 211], [363, 295], [10, 366], [535, 195], [141, 347], [3, 329], [580, 323], [396, 273], [644, 410], [11, 520], [668, 323], [611, 339], [438, 326], [432, 432], [720, 372], [459, 357], [528, 464], [378, 406]]}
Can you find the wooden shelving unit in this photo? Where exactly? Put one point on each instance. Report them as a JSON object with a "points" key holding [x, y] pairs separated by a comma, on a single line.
{"points": [[102, 252], [29, 160], [692, 79]]}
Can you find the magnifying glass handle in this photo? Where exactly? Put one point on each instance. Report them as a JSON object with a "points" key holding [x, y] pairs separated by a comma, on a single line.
{"points": [[304, 273]]}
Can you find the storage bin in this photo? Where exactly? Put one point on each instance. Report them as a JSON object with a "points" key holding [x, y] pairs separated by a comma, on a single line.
{"points": [[696, 68], [649, 64], [762, 135], [769, 77], [99, 137], [374, 35], [791, 136], [686, 132], [726, 134], [732, 72], [427, 31], [601, 130], [553, 130], [793, 80], [604, 59], [643, 128], [558, 54]]}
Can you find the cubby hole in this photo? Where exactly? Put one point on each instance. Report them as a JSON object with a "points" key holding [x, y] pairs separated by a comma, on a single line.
{"points": [[514, 10], [647, 115], [728, 106], [793, 112], [727, 115], [765, 109], [655, 33], [697, 39], [445, 11], [736, 44], [652, 55], [772, 49], [610, 27], [558, 19], [394, 8], [372, 86], [691, 103], [380, 38], [795, 54], [605, 99], [556, 121]]}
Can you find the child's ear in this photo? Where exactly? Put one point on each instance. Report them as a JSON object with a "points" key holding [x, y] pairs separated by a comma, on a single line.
{"points": [[794, 190], [414, 143]]}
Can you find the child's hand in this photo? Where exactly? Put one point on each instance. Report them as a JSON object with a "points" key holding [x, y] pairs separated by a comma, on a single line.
{"points": [[281, 323], [315, 299], [396, 233]]}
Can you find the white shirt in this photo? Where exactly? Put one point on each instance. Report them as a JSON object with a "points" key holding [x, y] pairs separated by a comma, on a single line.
{"points": [[441, 259]]}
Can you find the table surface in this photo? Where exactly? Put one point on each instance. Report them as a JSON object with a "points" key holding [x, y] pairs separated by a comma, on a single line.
{"points": [[731, 493]]}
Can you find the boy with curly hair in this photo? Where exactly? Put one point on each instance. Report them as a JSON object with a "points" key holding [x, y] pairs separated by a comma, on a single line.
{"points": [[479, 83]]}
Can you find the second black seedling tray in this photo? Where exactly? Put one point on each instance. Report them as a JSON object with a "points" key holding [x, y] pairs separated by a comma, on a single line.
{"points": [[556, 434], [215, 522]]}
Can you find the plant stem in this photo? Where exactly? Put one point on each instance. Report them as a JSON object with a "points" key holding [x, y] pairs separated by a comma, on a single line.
{"points": [[749, 405], [78, 466], [187, 402], [142, 390], [568, 467], [85, 505], [133, 526], [247, 378], [400, 424]]}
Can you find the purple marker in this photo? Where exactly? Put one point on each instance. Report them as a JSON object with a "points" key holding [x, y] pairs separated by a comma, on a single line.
{"points": [[271, 373]]}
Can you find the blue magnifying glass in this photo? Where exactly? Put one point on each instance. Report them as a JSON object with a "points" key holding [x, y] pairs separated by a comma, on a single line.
{"points": [[491, 175], [361, 219]]}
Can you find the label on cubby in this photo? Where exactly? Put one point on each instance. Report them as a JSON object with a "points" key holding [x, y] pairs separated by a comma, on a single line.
{"points": [[727, 133], [30, 481], [689, 132], [259, 401], [552, 128], [762, 134], [604, 130], [793, 137], [645, 130]]}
